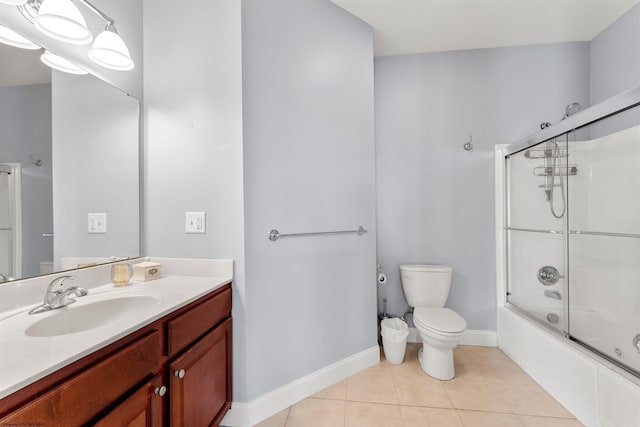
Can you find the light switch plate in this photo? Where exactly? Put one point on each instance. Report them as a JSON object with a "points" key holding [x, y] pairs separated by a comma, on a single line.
{"points": [[97, 223], [195, 222]]}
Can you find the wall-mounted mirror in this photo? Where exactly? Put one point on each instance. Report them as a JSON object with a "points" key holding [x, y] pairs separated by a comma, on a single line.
{"points": [[69, 169]]}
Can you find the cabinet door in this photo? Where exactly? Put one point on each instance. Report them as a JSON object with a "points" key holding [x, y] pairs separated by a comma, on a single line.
{"points": [[200, 381], [142, 409]]}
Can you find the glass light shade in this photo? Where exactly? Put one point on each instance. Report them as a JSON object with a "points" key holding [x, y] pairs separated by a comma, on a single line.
{"points": [[62, 20], [59, 63], [110, 51], [10, 37], [14, 2]]}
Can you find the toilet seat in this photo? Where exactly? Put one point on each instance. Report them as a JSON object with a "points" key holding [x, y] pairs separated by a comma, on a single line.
{"points": [[439, 320]]}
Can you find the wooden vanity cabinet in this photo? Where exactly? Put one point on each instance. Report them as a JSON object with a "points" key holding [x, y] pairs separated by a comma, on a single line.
{"points": [[175, 372]]}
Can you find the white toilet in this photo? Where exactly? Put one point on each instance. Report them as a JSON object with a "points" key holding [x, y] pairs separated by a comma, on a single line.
{"points": [[426, 288]]}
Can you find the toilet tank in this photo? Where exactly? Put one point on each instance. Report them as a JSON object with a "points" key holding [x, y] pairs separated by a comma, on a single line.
{"points": [[426, 285]]}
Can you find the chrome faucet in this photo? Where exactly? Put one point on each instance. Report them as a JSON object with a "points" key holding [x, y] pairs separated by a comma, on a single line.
{"points": [[56, 296]]}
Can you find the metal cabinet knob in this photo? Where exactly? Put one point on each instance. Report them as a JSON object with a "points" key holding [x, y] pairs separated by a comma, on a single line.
{"points": [[179, 374], [160, 391]]}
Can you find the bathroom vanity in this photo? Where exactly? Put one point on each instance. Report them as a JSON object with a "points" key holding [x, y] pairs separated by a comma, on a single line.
{"points": [[172, 368]]}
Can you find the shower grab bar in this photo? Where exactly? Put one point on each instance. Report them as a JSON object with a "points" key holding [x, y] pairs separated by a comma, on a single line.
{"points": [[577, 232], [544, 153], [535, 231], [559, 170], [275, 234]]}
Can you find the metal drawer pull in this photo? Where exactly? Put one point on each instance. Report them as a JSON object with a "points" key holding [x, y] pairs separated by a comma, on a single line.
{"points": [[160, 391], [179, 374]]}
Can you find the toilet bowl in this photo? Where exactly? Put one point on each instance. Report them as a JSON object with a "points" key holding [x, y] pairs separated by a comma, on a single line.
{"points": [[440, 330], [426, 288]]}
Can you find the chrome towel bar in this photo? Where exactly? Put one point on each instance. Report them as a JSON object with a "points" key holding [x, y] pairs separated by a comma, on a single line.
{"points": [[275, 234]]}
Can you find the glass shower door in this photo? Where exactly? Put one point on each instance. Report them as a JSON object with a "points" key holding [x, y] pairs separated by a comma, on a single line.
{"points": [[536, 220], [6, 223], [604, 239]]}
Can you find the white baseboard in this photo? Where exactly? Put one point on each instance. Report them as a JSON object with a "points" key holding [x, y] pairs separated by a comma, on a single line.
{"points": [[470, 337], [249, 414]]}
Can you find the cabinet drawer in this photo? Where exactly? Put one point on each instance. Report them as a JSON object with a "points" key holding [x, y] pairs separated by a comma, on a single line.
{"points": [[184, 329], [77, 401]]}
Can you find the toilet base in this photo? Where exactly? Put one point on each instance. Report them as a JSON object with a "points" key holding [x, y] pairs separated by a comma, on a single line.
{"points": [[437, 363]]}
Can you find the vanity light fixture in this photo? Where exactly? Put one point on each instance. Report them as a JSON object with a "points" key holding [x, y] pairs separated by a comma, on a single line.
{"points": [[10, 37], [61, 64], [62, 20], [110, 51], [13, 2]]}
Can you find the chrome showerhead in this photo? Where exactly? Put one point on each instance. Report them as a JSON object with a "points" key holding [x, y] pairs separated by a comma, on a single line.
{"points": [[572, 108]]}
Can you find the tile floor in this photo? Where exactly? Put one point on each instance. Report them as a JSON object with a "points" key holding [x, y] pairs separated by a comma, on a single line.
{"points": [[489, 390]]}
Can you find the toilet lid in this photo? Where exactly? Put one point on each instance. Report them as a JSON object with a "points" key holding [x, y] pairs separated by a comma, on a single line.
{"points": [[439, 319]]}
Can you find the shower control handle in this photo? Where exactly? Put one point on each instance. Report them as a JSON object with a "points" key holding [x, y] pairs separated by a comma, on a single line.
{"points": [[636, 342], [549, 275]]}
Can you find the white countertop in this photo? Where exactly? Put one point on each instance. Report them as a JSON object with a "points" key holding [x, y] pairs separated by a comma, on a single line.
{"points": [[24, 359]]}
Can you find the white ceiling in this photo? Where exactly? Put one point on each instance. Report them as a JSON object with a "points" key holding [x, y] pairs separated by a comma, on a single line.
{"points": [[414, 26]]}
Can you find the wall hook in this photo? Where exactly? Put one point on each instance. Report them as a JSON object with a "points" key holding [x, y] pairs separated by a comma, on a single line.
{"points": [[468, 145], [35, 161]]}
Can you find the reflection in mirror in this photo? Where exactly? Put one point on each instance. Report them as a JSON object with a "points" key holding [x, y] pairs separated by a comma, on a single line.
{"points": [[68, 148]]}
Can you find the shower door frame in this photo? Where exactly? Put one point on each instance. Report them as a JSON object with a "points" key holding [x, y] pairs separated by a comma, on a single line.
{"points": [[15, 213]]}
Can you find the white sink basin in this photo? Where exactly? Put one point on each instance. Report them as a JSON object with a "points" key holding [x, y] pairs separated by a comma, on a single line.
{"points": [[83, 317]]}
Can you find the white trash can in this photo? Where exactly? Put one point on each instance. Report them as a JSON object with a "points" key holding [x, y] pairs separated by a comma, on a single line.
{"points": [[394, 332]]}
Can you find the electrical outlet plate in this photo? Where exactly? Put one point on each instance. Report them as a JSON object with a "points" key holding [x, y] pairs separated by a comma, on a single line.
{"points": [[97, 223], [195, 222]]}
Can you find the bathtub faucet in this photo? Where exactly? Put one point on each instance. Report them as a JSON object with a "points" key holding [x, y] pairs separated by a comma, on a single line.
{"points": [[552, 294]]}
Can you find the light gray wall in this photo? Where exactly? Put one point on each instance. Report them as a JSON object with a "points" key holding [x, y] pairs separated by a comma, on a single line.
{"points": [[193, 140], [435, 200], [95, 167], [25, 129], [615, 62], [309, 166]]}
